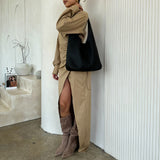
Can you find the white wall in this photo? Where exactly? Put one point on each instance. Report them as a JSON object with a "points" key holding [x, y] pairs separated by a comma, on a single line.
{"points": [[51, 11], [19, 20], [49, 111], [132, 79]]}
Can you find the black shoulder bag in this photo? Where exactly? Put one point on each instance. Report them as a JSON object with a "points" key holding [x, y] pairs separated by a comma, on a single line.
{"points": [[82, 56]]}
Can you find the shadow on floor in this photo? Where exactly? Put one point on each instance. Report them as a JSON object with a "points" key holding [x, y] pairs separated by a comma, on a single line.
{"points": [[28, 141]]}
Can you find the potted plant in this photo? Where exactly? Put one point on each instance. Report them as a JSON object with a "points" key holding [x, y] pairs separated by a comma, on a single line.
{"points": [[22, 68]]}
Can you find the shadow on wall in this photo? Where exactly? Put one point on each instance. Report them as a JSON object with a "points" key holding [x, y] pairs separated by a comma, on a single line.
{"points": [[98, 25]]}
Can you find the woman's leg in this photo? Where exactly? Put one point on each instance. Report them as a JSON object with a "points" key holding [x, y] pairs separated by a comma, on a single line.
{"points": [[65, 99], [66, 109], [65, 116]]}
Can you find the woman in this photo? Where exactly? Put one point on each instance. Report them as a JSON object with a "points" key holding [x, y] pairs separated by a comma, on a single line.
{"points": [[74, 86]]}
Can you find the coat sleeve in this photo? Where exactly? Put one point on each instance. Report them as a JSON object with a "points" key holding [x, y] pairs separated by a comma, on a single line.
{"points": [[56, 61], [73, 21]]}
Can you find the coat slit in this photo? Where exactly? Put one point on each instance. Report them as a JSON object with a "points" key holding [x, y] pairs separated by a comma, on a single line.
{"points": [[60, 94], [71, 107], [80, 128]]}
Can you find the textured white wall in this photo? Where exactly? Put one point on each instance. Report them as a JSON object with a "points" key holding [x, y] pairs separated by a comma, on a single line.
{"points": [[19, 20], [132, 79]]}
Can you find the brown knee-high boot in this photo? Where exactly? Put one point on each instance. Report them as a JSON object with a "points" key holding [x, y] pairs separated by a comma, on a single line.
{"points": [[72, 142], [66, 124]]}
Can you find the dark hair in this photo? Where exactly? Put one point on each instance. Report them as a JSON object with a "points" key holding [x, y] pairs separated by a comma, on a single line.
{"points": [[78, 1]]}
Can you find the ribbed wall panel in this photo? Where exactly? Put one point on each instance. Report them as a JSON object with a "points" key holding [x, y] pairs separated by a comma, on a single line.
{"points": [[132, 79]]}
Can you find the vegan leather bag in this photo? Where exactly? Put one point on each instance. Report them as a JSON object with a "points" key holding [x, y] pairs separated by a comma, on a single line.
{"points": [[82, 56]]}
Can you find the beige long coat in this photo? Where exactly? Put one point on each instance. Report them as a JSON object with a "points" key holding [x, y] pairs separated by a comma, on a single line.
{"points": [[73, 20]]}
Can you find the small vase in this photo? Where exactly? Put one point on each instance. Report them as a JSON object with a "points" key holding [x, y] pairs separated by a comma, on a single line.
{"points": [[23, 68]]}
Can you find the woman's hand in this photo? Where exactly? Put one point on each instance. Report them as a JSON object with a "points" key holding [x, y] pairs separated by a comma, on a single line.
{"points": [[55, 76], [80, 7]]}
